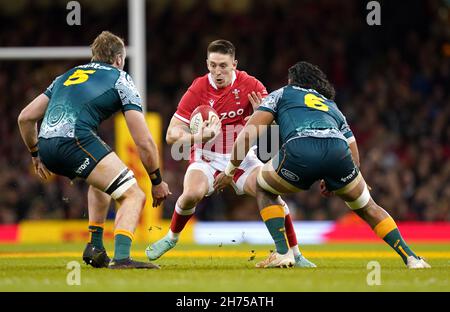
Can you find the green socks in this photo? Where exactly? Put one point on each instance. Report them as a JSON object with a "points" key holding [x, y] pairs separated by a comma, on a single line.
{"points": [[273, 217], [388, 231], [96, 232], [395, 240], [122, 244]]}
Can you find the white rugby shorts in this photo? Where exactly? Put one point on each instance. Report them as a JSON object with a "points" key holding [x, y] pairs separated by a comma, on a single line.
{"points": [[211, 164]]}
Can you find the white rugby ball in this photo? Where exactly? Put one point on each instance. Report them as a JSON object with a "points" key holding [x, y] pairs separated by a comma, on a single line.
{"points": [[201, 114]]}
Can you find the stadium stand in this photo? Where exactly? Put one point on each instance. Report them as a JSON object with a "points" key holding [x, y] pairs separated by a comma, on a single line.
{"points": [[392, 82]]}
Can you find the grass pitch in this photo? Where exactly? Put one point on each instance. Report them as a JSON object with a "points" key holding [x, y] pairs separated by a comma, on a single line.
{"points": [[341, 267]]}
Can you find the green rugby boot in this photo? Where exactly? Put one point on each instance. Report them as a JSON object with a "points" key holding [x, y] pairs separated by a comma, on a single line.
{"points": [[157, 249], [302, 262]]}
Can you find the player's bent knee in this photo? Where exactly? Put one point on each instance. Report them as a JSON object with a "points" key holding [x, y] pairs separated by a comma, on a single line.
{"points": [[134, 194], [121, 183], [192, 196], [361, 201]]}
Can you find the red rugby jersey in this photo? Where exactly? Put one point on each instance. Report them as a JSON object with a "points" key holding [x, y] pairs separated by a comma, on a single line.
{"points": [[231, 103]]}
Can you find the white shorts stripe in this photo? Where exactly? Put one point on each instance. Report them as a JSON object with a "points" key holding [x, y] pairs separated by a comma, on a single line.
{"points": [[184, 212]]}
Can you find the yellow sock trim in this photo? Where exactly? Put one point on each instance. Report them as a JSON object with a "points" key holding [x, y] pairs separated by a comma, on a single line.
{"points": [[270, 212], [385, 227], [124, 232], [102, 225], [286, 238], [403, 251]]}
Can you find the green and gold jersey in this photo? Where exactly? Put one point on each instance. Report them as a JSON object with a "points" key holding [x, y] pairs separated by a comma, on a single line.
{"points": [[84, 96], [303, 112]]}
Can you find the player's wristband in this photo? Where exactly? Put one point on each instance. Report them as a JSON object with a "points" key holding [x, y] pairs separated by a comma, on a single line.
{"points": [[155, 177], [230, 169], [34, 151]]}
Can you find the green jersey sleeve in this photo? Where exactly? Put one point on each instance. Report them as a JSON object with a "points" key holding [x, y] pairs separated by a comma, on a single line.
{"points": [[270, 102], [128, 93], [49, 91], [345, 128]]}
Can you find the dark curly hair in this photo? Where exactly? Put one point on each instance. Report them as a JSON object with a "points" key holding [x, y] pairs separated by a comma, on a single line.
{"points": [[309, 76]]}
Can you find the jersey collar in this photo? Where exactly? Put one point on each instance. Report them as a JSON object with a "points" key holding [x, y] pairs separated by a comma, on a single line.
{"points": [[213, 84]]}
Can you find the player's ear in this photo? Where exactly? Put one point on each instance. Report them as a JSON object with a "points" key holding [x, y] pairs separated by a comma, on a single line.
{"points": [[120, 61], [235, 62], [117, 61]]}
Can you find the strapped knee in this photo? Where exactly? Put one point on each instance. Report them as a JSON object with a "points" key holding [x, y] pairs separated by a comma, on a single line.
{"points": [[121, 183], [361, 201], [264, 185]]}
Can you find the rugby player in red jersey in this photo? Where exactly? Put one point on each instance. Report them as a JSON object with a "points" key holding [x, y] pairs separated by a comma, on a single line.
{"points": [[234, 95]]}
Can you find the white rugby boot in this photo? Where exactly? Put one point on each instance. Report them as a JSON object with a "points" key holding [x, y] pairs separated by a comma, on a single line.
{"points": [[276, 260], [413, 263]]}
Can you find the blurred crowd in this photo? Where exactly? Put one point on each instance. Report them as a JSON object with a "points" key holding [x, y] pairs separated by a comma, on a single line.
{"points": [[392, 83]]}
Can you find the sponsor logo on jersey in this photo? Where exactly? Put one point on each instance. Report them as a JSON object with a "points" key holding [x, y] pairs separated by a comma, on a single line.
{"points": [[231, 114], [350, 176], [96, 66], [83, 166], [290, 175]]}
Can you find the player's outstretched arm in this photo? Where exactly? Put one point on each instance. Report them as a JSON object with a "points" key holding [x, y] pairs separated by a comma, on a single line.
{"points": [[248, 135], [29, 117], [148, 152], [355, 153], [27, 120], [241, 146]]}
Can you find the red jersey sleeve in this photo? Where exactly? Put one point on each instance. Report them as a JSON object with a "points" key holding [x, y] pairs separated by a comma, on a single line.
{"points": [[188, 103], [260, 88]]}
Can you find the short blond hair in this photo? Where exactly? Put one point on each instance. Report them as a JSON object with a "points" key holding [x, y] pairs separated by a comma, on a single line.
{"points": [[106, 47]]}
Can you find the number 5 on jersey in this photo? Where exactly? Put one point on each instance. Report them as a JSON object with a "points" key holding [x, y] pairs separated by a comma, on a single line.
{"points": [[79, 76]]}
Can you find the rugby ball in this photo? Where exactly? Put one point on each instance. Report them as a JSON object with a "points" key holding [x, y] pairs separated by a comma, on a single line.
{"points": [[201, 114]]}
